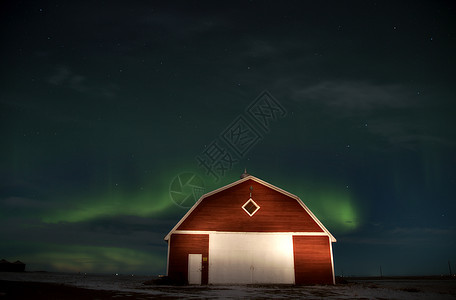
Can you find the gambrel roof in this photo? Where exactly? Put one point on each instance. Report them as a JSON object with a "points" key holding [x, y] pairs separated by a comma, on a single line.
{"points": [[321, 228]]}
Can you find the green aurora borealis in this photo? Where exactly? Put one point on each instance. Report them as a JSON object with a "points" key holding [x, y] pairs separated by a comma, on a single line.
{"points": [[102, 105]]}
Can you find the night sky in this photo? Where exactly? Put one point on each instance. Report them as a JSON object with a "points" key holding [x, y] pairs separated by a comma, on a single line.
{"points": [[104, 103]]}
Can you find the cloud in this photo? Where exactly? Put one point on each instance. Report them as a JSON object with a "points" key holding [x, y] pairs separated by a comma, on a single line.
{"points": [[407, 231], [22, 202], [87, 258], [260, 48], [63, 76], [60, 76], [14, 206], [403, 236], [406, 132], [115, 231], [355, 97], [182, 25], [97, 245], [394, 112]]}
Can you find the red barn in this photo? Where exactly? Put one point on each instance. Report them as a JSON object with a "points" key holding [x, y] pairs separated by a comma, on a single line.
{"points": [[250, 232]]}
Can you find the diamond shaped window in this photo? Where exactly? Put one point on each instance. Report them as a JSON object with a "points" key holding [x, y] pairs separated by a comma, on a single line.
{"points": [[250, 207]]}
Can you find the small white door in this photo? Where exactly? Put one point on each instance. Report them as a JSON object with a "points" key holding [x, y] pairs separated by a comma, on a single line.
{"points": [[195, 265]]}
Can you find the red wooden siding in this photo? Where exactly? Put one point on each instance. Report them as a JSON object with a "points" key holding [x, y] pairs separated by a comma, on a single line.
{"points": [[181, 245], [222, 212], [312, 260]]}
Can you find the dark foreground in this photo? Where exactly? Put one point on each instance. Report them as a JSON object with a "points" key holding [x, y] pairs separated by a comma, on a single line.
{"points": [[57, 286], [40, 290]]}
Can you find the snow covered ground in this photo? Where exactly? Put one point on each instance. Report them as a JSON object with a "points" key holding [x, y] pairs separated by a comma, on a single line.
{"points": [[127, 285]]}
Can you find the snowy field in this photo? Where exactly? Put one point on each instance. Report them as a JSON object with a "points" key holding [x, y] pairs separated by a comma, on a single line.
{"points": [[132, 287]]}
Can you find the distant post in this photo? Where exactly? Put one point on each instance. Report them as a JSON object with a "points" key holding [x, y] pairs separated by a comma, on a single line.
{"points": [[449, 268]]}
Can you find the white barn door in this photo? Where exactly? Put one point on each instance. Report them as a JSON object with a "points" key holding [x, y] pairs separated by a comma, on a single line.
{"points": [[243, 258], [195, 264]]}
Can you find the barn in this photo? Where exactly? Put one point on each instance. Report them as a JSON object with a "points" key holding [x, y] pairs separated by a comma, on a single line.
{"points": [[250, 232]]}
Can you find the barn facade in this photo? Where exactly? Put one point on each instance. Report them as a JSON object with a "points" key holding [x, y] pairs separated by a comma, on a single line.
{"points": [[250, 232]]}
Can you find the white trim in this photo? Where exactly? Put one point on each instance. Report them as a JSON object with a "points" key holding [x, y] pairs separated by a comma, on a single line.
{"points": [[209, 258], [292, 255], [167, 259], [332, 261], [250, 177], [257, 207], [319, 233]]}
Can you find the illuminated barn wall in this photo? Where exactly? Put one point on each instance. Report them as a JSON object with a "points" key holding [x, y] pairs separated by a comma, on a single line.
{"points": [[251, 258], [274, 239]]}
